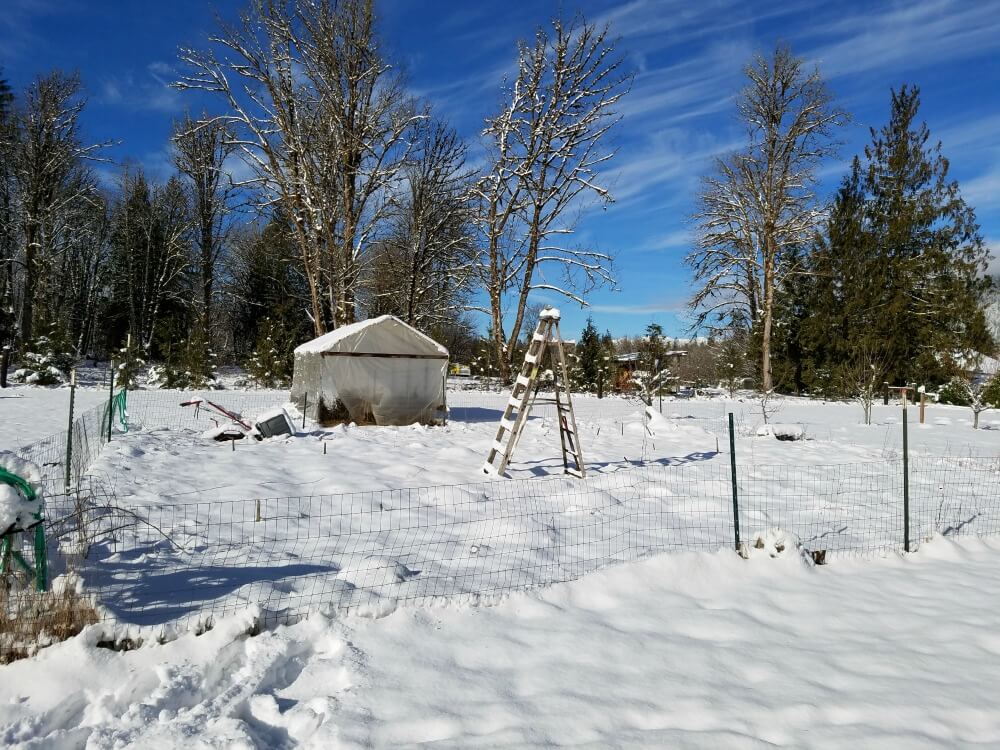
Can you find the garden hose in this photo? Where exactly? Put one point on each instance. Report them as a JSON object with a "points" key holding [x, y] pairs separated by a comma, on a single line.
{"points": [[7, 553], [119, 405]]}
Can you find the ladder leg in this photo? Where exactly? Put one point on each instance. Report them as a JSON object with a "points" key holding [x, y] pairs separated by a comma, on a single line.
{"points": [[521, 398]]}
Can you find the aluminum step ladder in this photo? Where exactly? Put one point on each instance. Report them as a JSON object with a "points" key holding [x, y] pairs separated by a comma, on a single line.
{"points": [[524, 395]]}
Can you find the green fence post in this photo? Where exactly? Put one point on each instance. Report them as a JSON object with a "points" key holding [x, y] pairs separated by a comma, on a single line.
{"points": [[69, 428], [906, 483], [111, 396], [732, 464], [41, 559]]}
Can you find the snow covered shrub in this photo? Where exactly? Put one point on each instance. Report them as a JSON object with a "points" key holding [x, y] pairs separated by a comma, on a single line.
{"points": [[271, 364], [130, 361], [979, 395], [954, 392], [47, 363], [190, 364], [778, 543]]}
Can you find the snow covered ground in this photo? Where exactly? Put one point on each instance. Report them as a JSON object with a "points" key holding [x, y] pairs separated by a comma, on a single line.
{"points": [[330, 516], [28, 414], [637, 649], [682, 650], [158, 461]]}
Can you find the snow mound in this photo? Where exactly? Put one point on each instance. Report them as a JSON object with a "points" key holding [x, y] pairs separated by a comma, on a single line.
{"points": [[782, 431], [659, 424], [16, 511], [375, 570], [777, 543]]}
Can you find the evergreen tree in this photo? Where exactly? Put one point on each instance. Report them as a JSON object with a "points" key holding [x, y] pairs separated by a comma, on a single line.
{"points": [[266, 293], [900, 272], [589, 357], [652, 355]]}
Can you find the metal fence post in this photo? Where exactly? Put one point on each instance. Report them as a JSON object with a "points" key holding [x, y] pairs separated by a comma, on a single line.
{"points": [[906, 484], [305, 406], [41, 559], [69, 428], [732, 465], [111, 396]]}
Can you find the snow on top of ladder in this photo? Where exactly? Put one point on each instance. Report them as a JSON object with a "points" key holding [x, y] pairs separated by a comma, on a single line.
{"points": [[550, 313]]}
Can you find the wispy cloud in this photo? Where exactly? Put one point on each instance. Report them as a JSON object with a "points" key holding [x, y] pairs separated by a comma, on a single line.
{"points": [[146, 90], [907, 36], [674, 158], [653, 308], [18, 20], [680, 239], [983, 192]]}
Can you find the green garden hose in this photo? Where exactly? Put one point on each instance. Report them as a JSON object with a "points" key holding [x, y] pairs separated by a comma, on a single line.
{"points": [[119, 406], [7, 553]]}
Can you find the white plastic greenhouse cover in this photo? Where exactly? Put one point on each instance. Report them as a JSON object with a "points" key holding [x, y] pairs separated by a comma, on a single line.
{"points": [[380, 368]]}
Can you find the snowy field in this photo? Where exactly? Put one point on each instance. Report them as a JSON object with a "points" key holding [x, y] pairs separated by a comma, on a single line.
{"points": [[439, 605], [28, 414], [367, 518], [683, 650]]}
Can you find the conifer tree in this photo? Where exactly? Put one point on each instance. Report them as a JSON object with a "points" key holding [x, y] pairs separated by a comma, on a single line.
{"points": [[901, 270], [589, 357]]}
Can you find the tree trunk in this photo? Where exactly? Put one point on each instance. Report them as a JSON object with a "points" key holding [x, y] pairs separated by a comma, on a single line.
{"points": [[207, 274], [30, 281], [765, 338], [499, 347]]}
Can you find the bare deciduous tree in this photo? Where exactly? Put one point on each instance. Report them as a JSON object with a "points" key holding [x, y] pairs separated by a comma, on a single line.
{"points": [[423, 268], [862, 377], [761, 203], [47, 170], [320, 119], [979, 391], [151, 250], [546, 148], [201, 149]]}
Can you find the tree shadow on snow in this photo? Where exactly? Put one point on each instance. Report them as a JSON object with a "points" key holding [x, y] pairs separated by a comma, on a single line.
{"points": [[155, 597], [553, 467]]}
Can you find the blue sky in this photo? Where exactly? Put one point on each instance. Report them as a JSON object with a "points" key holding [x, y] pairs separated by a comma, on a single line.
{"points": [[687, 57]]}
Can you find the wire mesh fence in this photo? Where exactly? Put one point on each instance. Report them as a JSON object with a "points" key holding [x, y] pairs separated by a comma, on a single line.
{"points": [[174, 563], [81, 443]]}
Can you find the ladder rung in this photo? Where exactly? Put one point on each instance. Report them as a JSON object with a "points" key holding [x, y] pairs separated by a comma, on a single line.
{"points": [[538, 336], [515, 402], [497, 446], [530, 358], [522, 380], [506, 424], [489, 468]]}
